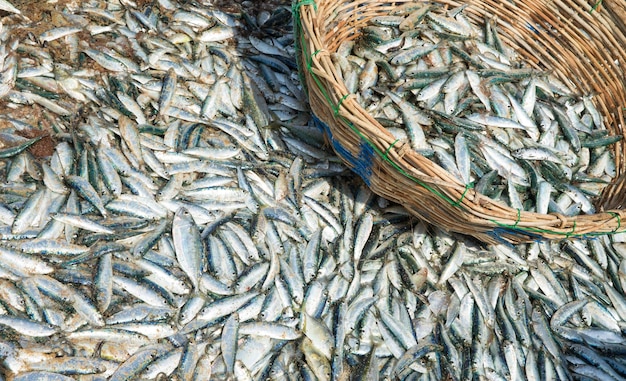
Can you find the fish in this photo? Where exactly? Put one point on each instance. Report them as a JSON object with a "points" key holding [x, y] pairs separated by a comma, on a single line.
{"points": [[162, 238], [478, 93]]}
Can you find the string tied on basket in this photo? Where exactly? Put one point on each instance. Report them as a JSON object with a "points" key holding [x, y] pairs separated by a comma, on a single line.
{"points": [[619, 221], [471, 186]]}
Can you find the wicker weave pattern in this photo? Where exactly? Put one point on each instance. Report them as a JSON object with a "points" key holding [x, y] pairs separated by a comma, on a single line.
{"points": [[586, 49]]}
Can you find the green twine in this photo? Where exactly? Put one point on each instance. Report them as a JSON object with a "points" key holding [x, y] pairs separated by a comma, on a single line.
{"points": [[336, 109], [297, 5], [595, 6], [619, 221], [467, 187], [571, 232], [389, 149]]}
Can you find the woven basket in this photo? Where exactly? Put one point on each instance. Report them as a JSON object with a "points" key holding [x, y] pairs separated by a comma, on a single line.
{"points": [[582, 42]]}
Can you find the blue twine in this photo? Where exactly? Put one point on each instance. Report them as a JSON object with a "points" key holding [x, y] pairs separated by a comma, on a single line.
{"points": [[532, 28], [499, 231], [362, 164]]}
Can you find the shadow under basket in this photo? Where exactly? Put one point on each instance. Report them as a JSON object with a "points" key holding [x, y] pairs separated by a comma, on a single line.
{"points": [[582, 42]]}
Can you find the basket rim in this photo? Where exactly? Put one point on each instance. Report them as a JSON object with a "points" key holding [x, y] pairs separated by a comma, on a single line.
{"points": [[478, 210]]}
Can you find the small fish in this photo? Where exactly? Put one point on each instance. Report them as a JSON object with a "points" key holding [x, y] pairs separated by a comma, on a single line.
{"points": [[86, 190], [167, 92], [187, 245]]}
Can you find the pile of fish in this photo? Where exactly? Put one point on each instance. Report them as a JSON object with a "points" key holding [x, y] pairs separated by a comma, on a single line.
{"points": [[463, 98], [171, 215]]}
